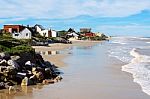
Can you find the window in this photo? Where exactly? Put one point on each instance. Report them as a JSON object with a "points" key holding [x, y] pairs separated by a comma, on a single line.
{"points": [[16, 34], [26, 34]]}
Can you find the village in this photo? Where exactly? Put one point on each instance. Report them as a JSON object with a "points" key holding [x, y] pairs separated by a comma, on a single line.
{"points": [[43, 36]]}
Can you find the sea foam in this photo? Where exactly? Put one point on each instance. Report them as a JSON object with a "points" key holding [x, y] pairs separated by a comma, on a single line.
{"points": [[138, 67]]}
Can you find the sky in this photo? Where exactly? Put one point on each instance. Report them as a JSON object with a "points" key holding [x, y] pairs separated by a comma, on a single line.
{"points": [[112, 17]]}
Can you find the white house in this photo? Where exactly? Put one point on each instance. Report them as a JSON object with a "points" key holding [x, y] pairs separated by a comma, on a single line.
{"points": [[45, 32], [24, 34], [72, 34]]}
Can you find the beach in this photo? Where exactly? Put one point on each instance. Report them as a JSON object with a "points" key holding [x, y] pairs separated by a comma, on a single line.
{"points": [[88, 72], [55, 57]]}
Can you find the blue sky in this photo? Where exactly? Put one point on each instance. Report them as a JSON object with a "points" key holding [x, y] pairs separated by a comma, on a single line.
{"points": [[113, 17]]}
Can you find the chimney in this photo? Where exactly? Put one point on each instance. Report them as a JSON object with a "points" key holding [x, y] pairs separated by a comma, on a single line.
{"points": [[28, 26]]}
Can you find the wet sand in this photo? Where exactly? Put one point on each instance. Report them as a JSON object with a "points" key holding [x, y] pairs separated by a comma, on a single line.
{"points": [[86, 76], [57, 58]]}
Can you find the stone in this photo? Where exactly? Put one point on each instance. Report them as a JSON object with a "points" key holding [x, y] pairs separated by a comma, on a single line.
{"points": [[34, 70], [5, 56], [48, 81], [3, 62], [13, 64], [40, 76], [2, 85], [11, 70], [25, 81], [15, 57]]}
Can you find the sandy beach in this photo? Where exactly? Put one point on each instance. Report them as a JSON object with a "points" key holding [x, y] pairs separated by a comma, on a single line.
{"points": [[86, 75]]}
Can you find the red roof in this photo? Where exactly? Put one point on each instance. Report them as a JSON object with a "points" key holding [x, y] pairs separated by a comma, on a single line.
{"points": [[90, 34]]}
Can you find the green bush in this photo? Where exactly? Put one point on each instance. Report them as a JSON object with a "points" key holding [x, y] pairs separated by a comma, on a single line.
{"points": [[20, 49]]}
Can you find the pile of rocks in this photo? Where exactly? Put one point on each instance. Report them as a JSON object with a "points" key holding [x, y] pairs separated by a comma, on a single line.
{"points": [[26, 69]]}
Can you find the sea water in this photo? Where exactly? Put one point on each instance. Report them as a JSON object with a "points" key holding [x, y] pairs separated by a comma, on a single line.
{"points": [[135, 52]]}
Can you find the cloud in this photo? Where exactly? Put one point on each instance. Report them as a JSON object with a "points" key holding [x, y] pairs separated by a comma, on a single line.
{"points": [[72, 8]]}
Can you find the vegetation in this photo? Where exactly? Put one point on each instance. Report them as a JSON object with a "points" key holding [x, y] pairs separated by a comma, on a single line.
{"points": [[14, 46], [62, 33]]}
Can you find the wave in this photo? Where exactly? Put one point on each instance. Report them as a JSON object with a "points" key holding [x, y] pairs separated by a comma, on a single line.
{"points": [[138, 67], [148, 42]]}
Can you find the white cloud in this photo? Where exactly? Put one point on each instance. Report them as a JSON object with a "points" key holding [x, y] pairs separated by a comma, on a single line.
{"points": [[71, 8]]}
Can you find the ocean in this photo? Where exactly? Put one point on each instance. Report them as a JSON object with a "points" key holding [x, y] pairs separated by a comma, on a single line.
{"points": [[135, 53]]}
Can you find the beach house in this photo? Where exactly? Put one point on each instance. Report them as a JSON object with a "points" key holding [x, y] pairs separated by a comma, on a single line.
{"points": [[85, 30], [45, 32], [13, 28], [72, 35], [26, 33]]}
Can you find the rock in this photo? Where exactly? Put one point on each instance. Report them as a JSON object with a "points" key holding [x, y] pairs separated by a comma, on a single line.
{"points": [[48, 73], [48, 81], [13, 64], [58, 78], [29, 63], [11, 71], [3, 62], [2, 69], [34, 70], [33, 79], [40, 76], [25, 81], [2, 85], [15, 57], [5, 56]]}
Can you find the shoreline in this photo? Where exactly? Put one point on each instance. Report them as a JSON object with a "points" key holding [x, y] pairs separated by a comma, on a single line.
{"points": [[58, 58]]}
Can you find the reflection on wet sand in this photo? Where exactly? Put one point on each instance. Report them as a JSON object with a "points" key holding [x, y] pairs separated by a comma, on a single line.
{"points": [[49, 52], [19, 91]]}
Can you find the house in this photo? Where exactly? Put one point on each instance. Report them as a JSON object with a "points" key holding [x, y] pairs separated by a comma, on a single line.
{"points": [[45, 32], [72, 35], [24, 34], [13, 28], [85, 30], [90, 34]]}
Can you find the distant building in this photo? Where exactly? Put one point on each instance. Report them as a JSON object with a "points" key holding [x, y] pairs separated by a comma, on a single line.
{"points": [[13, 28], [26, 33], [90, 34], [45, 32], [72, 35], [85, 30]]}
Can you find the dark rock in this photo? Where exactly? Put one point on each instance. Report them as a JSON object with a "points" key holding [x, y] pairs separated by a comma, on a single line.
{"points": [[5, 56], [2, 85]]}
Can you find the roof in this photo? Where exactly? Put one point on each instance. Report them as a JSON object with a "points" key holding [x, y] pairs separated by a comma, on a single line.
{"points": [[73, 34], [71, 30], [40, 26], [12, 25]]}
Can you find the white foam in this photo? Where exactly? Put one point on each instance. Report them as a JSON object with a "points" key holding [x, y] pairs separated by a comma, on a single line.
{"points": [[148, 42], [137, 67], [117, 42]]}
